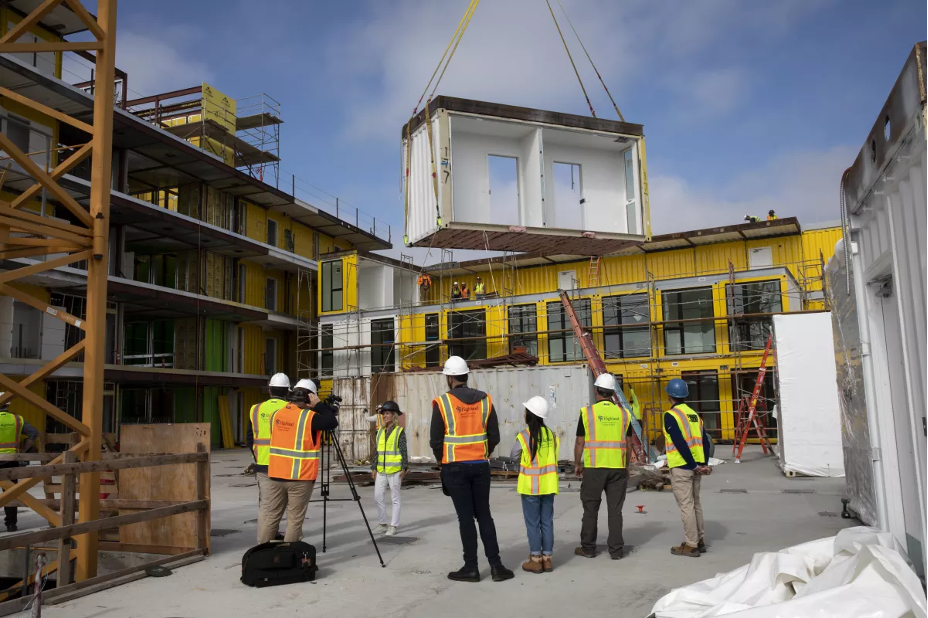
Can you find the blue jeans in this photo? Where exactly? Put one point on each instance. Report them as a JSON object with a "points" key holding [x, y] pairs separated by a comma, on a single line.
{"points": [[539, 523]]}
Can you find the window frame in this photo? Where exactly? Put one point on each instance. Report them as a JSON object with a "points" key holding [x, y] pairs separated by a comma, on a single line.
{"points": [[272, 223], [622, 305], [270, 368], [268, 295], [326, 354], [433, 351], [583, 307], [526, 324], [328, 285], [458, 323], [764, 325], [681, 328], [383, 361]]}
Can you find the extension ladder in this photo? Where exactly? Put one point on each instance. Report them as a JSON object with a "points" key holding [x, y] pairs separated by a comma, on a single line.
{"points": [[593, 279], [599, 367], [747, 412]]}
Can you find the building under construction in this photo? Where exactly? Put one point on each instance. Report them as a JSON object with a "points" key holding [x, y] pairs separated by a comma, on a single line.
{"points": [[697, 305]]}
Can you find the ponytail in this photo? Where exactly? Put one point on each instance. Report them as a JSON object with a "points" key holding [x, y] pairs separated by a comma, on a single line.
{"points": [[536, 426]]}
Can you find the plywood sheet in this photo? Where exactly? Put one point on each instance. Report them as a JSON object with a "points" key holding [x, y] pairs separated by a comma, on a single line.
{"points": [[175, 482]]}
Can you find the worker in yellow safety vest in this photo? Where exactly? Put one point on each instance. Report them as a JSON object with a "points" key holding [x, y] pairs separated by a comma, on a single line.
{"points": [[600, 460], [684, 437], [772, 216], [479, 289], [258, 434], [463, 432], [16, 436], [389, 466], [536, 450], [293, 460]]}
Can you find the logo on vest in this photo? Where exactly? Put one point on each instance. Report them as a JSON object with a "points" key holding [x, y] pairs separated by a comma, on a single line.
{"points": [[693, 418], [282, 423]]}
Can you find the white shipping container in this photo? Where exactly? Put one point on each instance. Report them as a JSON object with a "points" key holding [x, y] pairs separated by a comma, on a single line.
{"points": [[510, 178], [885, 202], [567, 389]]}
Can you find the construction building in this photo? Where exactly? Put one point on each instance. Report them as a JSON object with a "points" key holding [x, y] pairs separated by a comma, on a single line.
{"points": [[697, 305], [213, 257]]}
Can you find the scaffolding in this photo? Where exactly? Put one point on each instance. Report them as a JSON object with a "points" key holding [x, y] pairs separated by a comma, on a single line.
{"points": [[735, 331]]}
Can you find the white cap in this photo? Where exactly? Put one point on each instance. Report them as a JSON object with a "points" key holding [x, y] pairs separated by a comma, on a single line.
{"points": [[308, 385], [537, 406], [455, 366], [605, 380], [279, 379]]}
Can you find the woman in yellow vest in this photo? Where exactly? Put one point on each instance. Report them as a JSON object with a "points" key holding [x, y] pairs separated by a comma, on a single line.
{"points": [[389, 465], [536, 450]]}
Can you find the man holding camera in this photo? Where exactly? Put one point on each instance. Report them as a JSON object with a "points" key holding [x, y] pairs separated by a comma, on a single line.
{"points": [[293, 460]]}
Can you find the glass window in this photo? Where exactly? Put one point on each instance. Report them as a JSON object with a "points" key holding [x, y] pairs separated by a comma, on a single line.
{"points": [[563, 346], [272, 232], [625, 326], [467, 332], [332, 285], [704, 398], [270, 294], [383, 352], [242, 277], [327, 342], [432, 351], [759, 297], [270, 356], [690, 337], [522, 319]]}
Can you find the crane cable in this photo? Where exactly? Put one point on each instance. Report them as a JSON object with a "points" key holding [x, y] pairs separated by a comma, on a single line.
{"points": [[455, 41], [567, 49], [606, 88]]}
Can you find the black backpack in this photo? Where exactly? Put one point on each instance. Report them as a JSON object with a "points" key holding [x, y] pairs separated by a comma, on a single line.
{"points": [[275, 564]]}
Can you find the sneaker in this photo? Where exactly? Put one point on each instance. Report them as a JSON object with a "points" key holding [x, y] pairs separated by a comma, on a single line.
{"points": [[702, 546], [585, 553], [534, 564], [685, 550], [465, 574], [381, 529], [11, 528], [501, 573], [547, 564], [391, 531]]}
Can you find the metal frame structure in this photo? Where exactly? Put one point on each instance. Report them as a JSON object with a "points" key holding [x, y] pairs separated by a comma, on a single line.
{"points": [[85, 240]]}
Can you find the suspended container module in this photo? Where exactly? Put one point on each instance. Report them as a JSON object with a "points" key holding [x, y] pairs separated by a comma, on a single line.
{"points": [[519, 179]]}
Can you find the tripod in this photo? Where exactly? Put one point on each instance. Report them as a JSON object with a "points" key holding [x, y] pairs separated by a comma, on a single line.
{"points": [[329, 439]]}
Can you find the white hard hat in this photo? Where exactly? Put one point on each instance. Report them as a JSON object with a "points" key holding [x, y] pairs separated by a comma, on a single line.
{"points": [[605, 380], [279, 379], [455, 366], [537, 406], [308, 385]]}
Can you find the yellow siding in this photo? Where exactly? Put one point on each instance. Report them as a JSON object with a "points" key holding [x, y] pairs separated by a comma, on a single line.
{"points": [[254, 349], [622, 269], [32, 415], [349, 285], [302, 239], [667, 264], [715, 258], [251, 397], [8, 17], [254, 284], [820, 240], [327, 244], [255, 222]]}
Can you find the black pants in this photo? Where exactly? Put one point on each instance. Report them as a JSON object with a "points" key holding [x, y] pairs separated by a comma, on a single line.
{"points": [[469, 487], [9, 512], [614, 481]]}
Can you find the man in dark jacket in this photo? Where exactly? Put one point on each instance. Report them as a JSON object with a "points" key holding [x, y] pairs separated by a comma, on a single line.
{"points": [[463, 433]]}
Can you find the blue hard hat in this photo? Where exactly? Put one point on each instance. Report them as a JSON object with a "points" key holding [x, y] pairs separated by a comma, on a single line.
{"points": [[677, 389]]}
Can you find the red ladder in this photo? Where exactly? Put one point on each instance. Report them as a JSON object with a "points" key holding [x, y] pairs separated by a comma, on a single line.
{"points": [[744, 424], [599, 367]]}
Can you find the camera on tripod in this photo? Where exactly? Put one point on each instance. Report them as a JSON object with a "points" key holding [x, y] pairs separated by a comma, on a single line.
{"points": [[333, 401]]}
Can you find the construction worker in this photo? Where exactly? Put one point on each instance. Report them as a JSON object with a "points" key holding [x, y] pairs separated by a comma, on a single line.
{"points": [[479, 290], [536, 450], [455, 292], [424, 282], [771, 216], [13, 428], [751, 219], [389, 466], [684, 436], [463, 433], [636, 407], [293, 461], [600, 461], [258, 433], [465, 291]]}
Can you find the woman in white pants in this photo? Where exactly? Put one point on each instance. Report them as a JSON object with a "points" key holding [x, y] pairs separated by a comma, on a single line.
{"points": [[389, 465]]}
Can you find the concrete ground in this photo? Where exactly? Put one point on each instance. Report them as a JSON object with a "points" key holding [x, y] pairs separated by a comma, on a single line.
{"points": [[749, 507]]}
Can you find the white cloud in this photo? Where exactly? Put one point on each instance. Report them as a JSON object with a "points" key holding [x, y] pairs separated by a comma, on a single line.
{"points": [[160, 63], [711, 93], [800, 184]]}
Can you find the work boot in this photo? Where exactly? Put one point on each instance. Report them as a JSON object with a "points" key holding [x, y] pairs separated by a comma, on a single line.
{"points": [[702, 546], [547, 564], [11, 528], [534, 564], [617, 555], [586, 553], [501, 573], [685, 550], [465, 574]]}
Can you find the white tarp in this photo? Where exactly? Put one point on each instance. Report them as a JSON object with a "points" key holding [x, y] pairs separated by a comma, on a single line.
{"points": [[860, 573], [809, 417]]}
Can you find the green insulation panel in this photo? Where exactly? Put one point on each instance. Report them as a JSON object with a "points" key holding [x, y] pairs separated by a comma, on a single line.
{"points": [[185, 405], [217, 350]]}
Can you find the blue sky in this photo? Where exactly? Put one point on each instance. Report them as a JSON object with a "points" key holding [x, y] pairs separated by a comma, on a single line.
{"points": [[746, 105]]}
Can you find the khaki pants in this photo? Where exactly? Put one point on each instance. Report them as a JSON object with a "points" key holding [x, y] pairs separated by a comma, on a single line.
{"points": [[277, 497], [685, 485]]}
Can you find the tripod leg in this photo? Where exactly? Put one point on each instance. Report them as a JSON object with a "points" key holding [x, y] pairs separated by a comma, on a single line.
{"points": [[357, 498], [325, 491]]}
